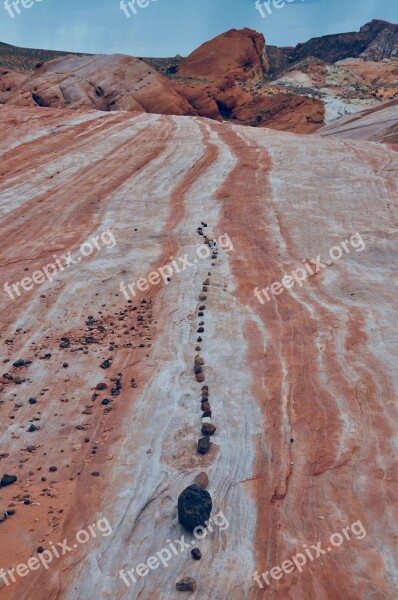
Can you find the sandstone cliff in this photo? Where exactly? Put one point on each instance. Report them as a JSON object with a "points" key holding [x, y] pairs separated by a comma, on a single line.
{"points": [[239, 53]]}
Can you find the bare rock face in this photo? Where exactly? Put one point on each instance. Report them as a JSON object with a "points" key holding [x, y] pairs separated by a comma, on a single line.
{"points": [[305, 386], [239, 53], [226, 100], [376, 124], [9, 82], [332, 48], [114, 82], [384, 46]]}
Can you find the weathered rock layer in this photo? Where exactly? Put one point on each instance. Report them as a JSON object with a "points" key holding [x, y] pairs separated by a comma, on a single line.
{"points": [[304, 386]]}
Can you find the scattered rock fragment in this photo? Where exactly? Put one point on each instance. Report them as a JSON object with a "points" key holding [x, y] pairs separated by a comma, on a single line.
{"points": [[21, 363], [6, 514], [101, 386], [201, 480], [186, 584], [196, 554]]}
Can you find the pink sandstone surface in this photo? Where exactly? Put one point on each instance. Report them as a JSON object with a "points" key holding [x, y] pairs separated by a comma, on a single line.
{"points": [[377, 124], [303, 388]]}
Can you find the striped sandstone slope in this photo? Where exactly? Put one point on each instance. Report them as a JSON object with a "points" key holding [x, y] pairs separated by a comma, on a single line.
{"points": [[316, 364]]}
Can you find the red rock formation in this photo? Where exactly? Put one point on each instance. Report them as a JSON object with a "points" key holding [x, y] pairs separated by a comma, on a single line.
{"points": [[238, 53], [9, 82], [117, 82], [104, 82], [304, 386], [263, 107]]}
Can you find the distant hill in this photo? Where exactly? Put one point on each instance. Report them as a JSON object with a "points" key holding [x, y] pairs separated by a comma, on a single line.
{"points": [[26, 59]]}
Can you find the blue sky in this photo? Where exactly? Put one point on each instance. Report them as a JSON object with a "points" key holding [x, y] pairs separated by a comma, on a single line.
{"points": [[170, 27]]}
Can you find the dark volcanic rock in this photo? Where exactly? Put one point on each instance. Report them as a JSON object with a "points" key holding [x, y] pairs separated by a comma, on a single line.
{"points": [[19, 363], [332, 48], [204, 444], [8, 479], [186, 584], [194, 507]]}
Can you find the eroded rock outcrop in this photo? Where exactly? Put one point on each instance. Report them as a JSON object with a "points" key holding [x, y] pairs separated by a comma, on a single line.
{"points": [[103, 82], [332, 48], [238, 53]]}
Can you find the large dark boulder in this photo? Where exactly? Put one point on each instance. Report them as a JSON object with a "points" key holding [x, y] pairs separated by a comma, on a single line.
{"points": [[194, 507]]}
